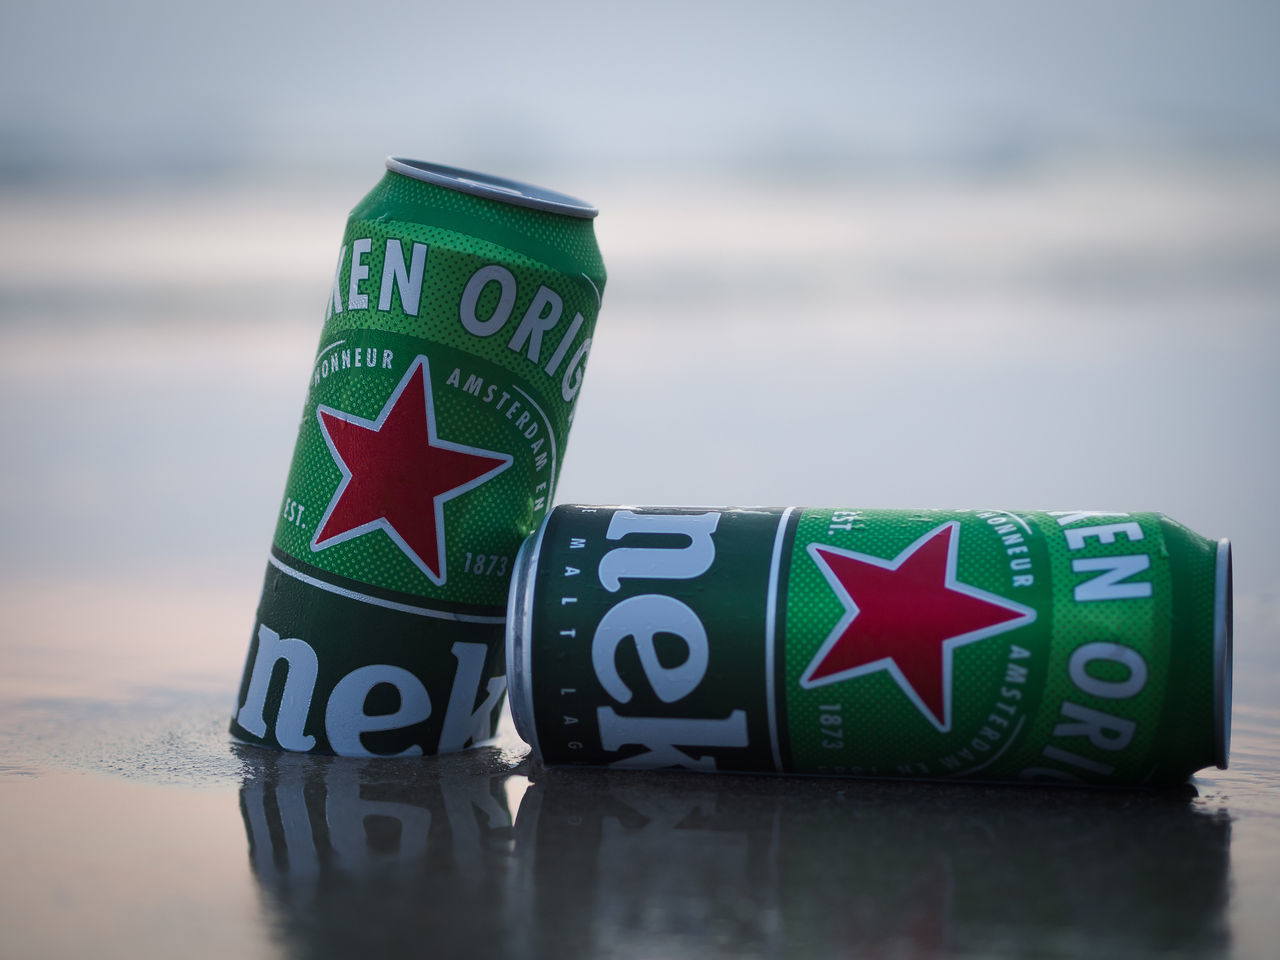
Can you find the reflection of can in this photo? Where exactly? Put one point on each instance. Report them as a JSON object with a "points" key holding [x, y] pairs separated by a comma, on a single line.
{"points": [[438, 406], [1072, 646], [408, 850], [998, 873]]}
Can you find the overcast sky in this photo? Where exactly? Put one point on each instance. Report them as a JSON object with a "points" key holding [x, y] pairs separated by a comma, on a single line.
{"points": [[151, 87]]}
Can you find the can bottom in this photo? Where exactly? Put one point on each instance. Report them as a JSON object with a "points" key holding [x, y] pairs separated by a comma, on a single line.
{"points": [[519, 631], [1222, 655]]}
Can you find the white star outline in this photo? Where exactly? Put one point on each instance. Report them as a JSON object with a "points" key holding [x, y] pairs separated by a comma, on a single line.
{"points": [[382, 523], [1025, 616]]}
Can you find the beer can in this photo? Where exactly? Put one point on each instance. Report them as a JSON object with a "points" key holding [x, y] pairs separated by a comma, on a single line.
{"points": [[438, 406], [1068, 646]]}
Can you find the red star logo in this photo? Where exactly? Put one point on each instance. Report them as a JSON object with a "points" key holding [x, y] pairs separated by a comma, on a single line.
{"points": [[397, 473], [907, 616]]}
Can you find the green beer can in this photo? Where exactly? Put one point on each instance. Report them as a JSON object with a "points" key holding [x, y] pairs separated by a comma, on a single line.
{"points": [[1063, 646], [438, 406]]}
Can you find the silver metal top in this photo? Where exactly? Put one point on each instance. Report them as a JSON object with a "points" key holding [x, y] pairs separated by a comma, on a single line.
{"points": [[495, 188], [519, 637], [1222, 658]]}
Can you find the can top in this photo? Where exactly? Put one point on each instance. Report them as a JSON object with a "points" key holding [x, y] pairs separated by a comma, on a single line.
{"points": [[494, 188]]}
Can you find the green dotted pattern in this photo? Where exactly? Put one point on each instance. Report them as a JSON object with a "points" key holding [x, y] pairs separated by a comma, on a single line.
{"points": [[1142, 624], [492, 519], [883, 733], [452, 259], [1191, 710], [489, 520]]}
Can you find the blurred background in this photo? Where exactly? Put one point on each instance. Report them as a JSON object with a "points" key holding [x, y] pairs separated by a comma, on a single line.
{"points": [[907, 254], [911, 254]]}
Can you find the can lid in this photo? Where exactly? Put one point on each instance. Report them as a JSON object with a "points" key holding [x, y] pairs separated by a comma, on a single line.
{"points": [[519, 635], [1222, 614], [515, 192]]}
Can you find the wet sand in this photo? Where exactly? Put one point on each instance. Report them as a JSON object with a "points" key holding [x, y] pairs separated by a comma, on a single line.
{"points": [[1092, 340], [136, 830]]}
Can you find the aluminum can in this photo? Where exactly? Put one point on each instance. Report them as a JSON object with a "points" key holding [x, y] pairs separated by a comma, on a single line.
{"points": [[1064, 646], [455, 338]]}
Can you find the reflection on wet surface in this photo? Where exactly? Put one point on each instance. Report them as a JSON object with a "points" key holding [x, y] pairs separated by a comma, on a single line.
{"points": [[583, 864], [416, 856], [300, 856]]}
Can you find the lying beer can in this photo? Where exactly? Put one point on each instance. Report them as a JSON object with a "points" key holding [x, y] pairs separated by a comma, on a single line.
{"points": [[1073, 646], [438, 406]]}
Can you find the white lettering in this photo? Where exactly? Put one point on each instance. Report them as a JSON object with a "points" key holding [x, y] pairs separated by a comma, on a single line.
{"points": [[563, 347], [573, 372], [409, 281], [543, 314], [335, 305], [1106, 585], [299, 685], [462, 724], [1104, 731], [643, 618], [359, 271], [345, 718], [1078, 669], [683, 563], [471, 297]]}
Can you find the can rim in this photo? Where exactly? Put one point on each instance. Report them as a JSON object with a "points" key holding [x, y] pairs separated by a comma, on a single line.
{"points": [[1222, 655], [515, 192], [518, 634]]}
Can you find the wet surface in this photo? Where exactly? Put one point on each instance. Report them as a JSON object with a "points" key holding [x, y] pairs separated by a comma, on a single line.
{"points": [[1071, 360], [139, 826]]}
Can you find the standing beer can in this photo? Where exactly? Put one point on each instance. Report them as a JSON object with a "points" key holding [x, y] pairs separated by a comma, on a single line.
{"points": [[1066, 646], [438, 405]]}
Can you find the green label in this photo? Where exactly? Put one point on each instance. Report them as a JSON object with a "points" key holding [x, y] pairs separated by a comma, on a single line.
{"points": [[935, 644], [436, 417], [916, 645], [418, 475], [331, 673], [430, 444], [641, 666]]}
